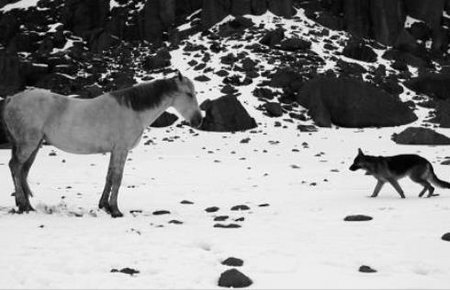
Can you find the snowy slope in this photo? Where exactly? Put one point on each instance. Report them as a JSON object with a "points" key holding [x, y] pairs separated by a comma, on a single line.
{"points": [[299, 241]]}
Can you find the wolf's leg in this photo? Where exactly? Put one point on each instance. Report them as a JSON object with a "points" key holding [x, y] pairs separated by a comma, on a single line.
{"points": [[397, 187], [377, 189], [426, 185]]}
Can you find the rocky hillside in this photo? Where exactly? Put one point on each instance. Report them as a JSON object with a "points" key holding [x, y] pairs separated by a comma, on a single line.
{"points": [[331, 57]]}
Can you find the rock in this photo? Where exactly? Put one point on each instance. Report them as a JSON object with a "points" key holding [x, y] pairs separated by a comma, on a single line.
{"points": [[12, 79], [294, 44], [420, 31], [232, 278], [433, 85], [226, 114], [352, 103], [165, 120], [233, 262], [264, 93], [272, 38], [160, 60], [202, 78], [286, 78], [161, 212], [212, 209], [366, 269], [186, 202], [358, 50], [3, 134], [228, 226], [420, 136], [357, 218], [240, 207], [129, 271], [446, 237], [221, 218], [273, 109]]}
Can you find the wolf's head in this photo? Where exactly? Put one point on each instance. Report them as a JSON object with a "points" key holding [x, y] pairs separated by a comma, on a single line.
{"points": [[361, 162]]}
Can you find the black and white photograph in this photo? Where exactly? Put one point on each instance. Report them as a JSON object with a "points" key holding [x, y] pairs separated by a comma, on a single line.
{"points": [[214, 144]]}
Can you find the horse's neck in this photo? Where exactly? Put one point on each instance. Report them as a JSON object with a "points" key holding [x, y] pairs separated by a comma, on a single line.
{"points": [[149, 116]]}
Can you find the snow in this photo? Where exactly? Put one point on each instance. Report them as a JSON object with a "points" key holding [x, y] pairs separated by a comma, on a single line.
{"points": [[22, 4], [299, 241]]}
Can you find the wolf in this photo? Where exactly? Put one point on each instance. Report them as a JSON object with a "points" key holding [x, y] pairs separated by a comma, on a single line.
{"points": [[392, 168]]}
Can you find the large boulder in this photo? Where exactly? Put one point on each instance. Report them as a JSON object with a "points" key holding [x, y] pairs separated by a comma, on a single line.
{"points": [[358, 50], [11, 77], [420, 136], [165, 120], [352, 103], [226, 114], [433, 85]]}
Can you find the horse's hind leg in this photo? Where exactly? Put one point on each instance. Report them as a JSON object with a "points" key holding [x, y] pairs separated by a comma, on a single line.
{"points": [[118, 163], [23, 155]]}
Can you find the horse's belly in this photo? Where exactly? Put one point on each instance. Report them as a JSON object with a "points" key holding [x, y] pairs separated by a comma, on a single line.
{"points": [[74, 141]]}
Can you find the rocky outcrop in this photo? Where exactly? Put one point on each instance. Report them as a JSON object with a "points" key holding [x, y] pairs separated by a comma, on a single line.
{"points": [[226, 114], [420, 136], [433, 85], [352, 103], [11, 77]]}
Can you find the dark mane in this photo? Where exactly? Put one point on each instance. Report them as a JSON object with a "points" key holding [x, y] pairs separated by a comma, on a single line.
{"points": [[145, 96]]}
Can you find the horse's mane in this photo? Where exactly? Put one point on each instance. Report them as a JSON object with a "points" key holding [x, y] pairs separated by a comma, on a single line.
{"points": [[145, 96]]}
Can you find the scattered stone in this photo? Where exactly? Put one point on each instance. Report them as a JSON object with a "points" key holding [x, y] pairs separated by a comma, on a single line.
{"points": [[357, 218], [245, 140], [127, 270], [202, 78], [161, 212], [366, 269], [228, 226], [273, 109], [212, 209], [264, 205], [176, 222], [240, 207], [186, 202], [232, 278], [446, 237], [233, 262], [221, 218]]}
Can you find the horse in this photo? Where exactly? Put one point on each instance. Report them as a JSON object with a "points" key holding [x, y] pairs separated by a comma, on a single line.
{"points": [[110, 123]]}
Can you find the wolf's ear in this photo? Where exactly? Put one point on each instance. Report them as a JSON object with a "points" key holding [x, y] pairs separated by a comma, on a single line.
{"points": [[360, 152]]}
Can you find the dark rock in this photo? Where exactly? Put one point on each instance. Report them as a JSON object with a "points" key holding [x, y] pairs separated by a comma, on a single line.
{"points": [[11, 80], [286, 78], [221, 218], [228, 226], [226, 114], [433, 85], [233, 262], [212, 209], [366, 269], [264, 93], [357, 218], [186, 202], [272, 38], [161, 212], [160, 60], [234, 279], [420, 30], [446, 237], [202, 78], [175, 222], [3, 134], [165, 120], [240, 207], [294, 44], [420, 136], [356, 49], [129, 271], [273, 109], [352, 103]]}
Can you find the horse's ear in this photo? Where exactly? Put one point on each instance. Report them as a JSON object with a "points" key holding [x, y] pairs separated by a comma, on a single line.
{"points": [[179, 76], [360, 152]]}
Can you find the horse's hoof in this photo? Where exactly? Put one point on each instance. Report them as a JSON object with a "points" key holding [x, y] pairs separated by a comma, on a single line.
{"points": [[25, 208], [116, 214]]}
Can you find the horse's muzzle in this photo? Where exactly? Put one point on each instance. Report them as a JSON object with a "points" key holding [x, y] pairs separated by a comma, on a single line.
{"points": [[197, 120]]}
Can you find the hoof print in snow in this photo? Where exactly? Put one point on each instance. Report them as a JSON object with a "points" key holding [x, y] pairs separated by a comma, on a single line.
{"points": [[212, 209], [240, 207], [228, 226], [234, 279], [221, 218], [357, 218], [233, 262], [126, 270], [186, 202], [161, 212], [446, 237], [366, 269], [176, 222]]}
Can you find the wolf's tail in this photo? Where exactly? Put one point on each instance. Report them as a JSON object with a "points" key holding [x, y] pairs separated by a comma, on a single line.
{"points": [[436, 181]]}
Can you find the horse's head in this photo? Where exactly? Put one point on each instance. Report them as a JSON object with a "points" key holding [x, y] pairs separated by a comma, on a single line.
{"points": [[185, 101]]}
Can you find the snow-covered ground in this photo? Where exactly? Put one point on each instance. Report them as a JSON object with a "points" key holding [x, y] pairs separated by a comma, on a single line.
{"points": [[299, 240]]}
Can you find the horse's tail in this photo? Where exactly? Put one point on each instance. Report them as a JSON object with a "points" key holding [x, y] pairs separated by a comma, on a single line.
{"points": [[4, 125]]}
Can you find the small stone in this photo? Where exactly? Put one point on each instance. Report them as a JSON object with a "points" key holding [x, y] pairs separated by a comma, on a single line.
{"points": [[161, 212], [176, 222], [186, 202], [264, 205], [126, 270], [240, 207], [212, 209], [446, 237], [357, 218], [228, 226], [366, 269], [233, 262], [234, 279], [221, 218]]}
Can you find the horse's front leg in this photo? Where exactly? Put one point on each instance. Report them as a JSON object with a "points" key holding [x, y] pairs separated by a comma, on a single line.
{"points": [[103, 203], [118, 160]]}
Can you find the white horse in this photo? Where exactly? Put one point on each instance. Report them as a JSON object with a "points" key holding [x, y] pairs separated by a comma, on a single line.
{"points": [[113, 122]]}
